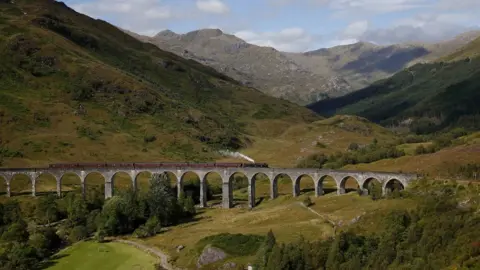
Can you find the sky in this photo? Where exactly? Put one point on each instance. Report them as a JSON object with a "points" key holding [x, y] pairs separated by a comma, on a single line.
{"points": [[294, 25]]}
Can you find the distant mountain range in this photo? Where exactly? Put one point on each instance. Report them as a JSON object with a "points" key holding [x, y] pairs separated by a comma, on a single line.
{"points": [[303, 78], [427, 97]]}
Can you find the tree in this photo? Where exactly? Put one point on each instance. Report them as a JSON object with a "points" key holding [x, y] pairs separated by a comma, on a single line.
{"points": [[264, 251], [11, 212], [161, 199], [19, 256], [353, 146], [77, 210], [77, 233], [153, 226], [46, 210], [16, 232], [189, 206]]}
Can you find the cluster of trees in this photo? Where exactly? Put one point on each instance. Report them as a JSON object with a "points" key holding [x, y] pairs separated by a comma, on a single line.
{"points": [[23, 245], [32, 235], [355, 155], [436, 235], [439, 141]]}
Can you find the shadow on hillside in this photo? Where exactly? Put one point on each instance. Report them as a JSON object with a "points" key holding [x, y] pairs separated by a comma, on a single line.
{"points": [[329, 190], [50, 262]]}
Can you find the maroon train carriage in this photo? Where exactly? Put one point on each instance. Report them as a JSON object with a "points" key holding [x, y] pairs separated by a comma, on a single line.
{"points": [[120, 165], [63, 166], [154, 165]]}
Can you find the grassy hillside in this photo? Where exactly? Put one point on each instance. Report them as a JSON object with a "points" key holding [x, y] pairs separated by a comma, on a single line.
{"points": [[108, 256], [434, 96], [77, 89]]}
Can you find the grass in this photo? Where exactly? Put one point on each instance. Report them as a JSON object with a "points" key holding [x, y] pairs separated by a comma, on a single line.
{"points": [[427, 93], [432, 164], [105, 256], [54, 60], [285, 216]]}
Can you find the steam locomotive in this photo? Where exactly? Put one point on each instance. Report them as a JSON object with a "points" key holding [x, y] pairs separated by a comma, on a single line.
{"points": [[154, 165]]}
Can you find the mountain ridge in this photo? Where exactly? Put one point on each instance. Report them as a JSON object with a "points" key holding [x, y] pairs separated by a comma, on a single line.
{"points": [[302, 77], [426, 97], [75, 88]]}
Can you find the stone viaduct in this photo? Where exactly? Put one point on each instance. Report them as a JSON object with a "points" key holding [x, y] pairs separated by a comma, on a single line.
{"points": [[273, 174]]}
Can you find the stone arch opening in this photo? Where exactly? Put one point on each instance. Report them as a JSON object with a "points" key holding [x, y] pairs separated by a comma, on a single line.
{"points": [[189, 186], [372, 187], [3, 185], [20, 184], [393, 185], [70, 182], [238, 183], [326, 185], [94, 186], [261, 188], [281, 185], [45, 183], [142, 181], [348, 184], [307, 187], [211, 189], [122, 182]]}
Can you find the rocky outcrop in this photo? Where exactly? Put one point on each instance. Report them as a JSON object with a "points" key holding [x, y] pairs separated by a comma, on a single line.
{"points": [[210, 255]]}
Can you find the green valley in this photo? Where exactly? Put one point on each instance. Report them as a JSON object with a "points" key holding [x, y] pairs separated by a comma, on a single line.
{"points": [[93, 98]]}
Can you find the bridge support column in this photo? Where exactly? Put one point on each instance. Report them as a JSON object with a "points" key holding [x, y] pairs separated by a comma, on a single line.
{"points": [[34, 193], [59, 187], [296, 188], [318, 189], [227, 194], [108, 189], [84, 189], [9, 194], [179, 188], [203, 192], [385, 191], [251, 192], [134, 185]]}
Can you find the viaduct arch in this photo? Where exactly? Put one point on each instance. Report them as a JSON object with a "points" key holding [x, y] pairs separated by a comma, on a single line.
{"points": [[318, 176]]}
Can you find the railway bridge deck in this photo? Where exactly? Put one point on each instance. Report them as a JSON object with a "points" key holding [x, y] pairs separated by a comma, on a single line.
{"points": [[318, 175]]}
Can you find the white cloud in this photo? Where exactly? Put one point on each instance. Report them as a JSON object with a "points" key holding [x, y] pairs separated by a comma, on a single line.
{"points": [[293, 39], [426, 27], [453, 5], [212, 6], [356, 29]]}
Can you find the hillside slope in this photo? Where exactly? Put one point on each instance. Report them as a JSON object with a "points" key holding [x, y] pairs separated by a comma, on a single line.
{"points": [[77, 89], [301, 77], [433, 96]]}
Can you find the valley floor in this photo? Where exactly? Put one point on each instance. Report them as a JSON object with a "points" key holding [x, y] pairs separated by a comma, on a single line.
{"points": [[105, 256]]}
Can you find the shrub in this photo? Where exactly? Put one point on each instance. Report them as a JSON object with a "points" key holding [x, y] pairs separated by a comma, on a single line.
{"points": [[233, 244], [153, 226], [307, 201], [149, 138], [100, 236], [77, 233], [353, 147], [141, 232]]}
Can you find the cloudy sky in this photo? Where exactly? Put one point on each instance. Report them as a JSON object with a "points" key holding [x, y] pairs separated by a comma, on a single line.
{"points": [[294, 25]]}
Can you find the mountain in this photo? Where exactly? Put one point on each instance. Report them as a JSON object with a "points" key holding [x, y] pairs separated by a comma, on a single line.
{"points": [[427, 96], [302, 77], [77, 89], [267, 69]]}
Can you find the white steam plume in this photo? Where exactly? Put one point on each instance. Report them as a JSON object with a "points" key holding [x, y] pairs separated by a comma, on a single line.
{"points": [[236, 155]]}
